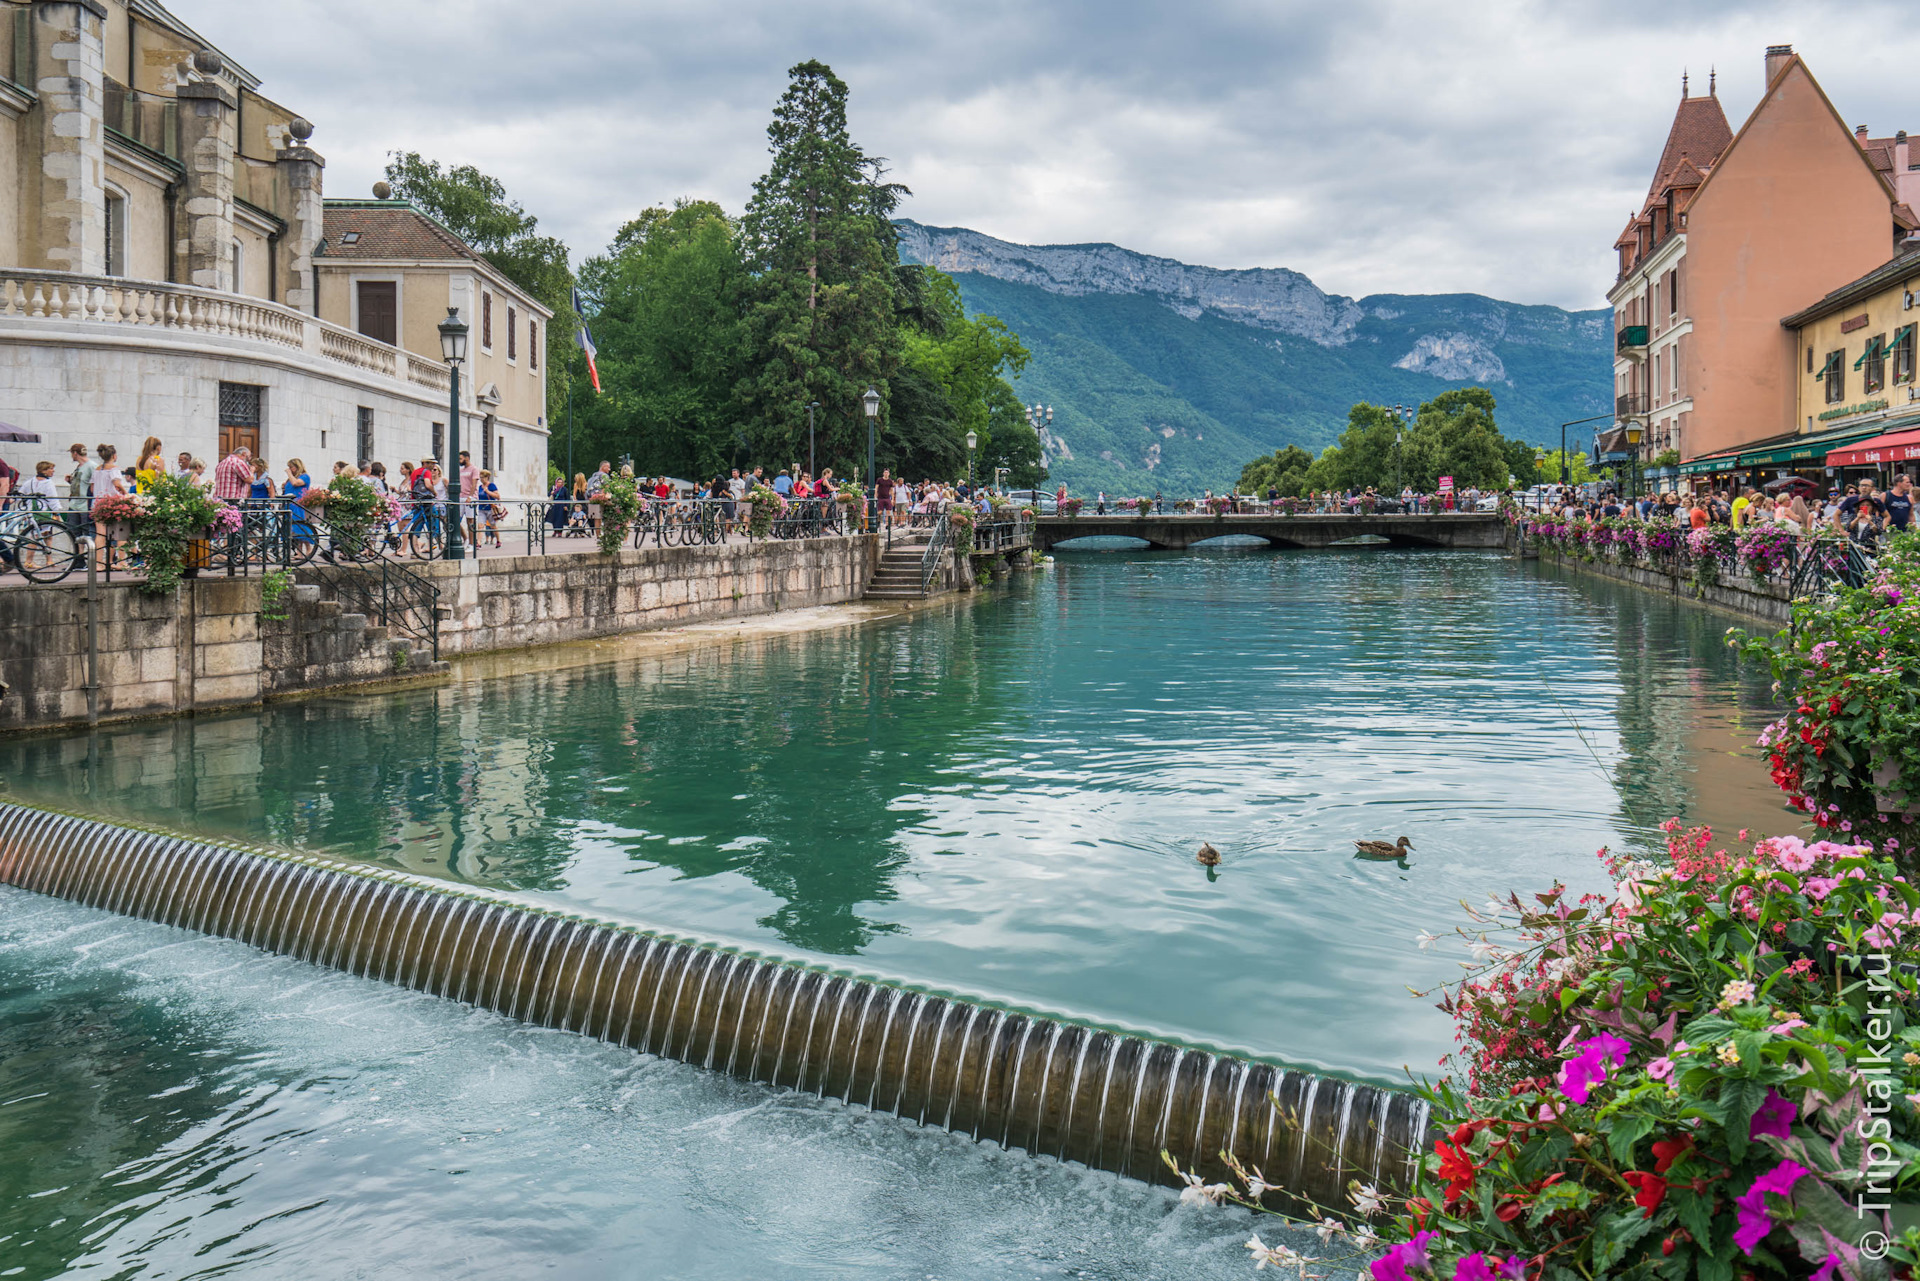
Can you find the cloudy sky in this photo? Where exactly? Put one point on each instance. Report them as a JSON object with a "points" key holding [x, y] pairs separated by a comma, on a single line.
{"points": [[1377, 145]]}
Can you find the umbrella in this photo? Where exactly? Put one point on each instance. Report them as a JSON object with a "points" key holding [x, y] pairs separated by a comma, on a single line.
{"points": [[9, 432], [1800, 483]]}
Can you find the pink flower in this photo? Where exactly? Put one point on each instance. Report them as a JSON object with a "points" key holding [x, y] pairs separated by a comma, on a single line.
{"points": [[1826, 1269], [1480, 1267], [1781, 1029], [1587, 1069], [1755, 1220], [1403, 1258], [1772, 1117], [1661, 1069]]}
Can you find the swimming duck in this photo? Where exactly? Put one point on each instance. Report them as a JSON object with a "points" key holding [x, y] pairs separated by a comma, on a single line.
{"points": [[1382, 850], [1208, 856]]}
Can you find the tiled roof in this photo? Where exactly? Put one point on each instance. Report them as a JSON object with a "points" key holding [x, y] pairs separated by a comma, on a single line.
{"points": [[387, 230], [1700, 132]]}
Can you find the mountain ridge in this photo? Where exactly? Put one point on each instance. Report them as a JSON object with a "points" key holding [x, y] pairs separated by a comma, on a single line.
{"points": [[1184, 372]]}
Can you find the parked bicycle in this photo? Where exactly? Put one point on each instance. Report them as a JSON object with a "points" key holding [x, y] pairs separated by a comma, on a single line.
{"points": [[39, 544]]}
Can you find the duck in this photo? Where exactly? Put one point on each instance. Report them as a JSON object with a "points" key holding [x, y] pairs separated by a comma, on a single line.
{"points": [[1208, 856], [1382, 850]]}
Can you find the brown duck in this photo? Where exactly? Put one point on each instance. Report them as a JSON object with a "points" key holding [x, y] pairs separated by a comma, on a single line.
{"points": [[1382, 851], [1208, 856]]}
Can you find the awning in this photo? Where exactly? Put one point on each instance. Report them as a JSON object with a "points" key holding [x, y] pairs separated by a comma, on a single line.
{"points": [[1807, 451], [1894, 447], [1712, 463], [1874, 345]]}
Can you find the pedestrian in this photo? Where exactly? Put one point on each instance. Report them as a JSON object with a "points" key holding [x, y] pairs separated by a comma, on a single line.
{"points": [[79, 492], [151, 467], [296, 487], [184, 464], [38, 490], [106, 481], [783, 483], [1899, 503], [469, 492], [490, 508]]}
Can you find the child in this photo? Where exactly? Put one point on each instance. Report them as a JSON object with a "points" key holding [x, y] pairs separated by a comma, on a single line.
{"points": [[490, 509], [39, 493]]}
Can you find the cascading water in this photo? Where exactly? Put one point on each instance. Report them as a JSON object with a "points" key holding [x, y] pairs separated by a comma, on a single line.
{"points": [[1044, 1085]]}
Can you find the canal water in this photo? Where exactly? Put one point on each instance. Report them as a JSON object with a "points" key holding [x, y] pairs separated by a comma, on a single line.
{"points": [[1000, 797]]}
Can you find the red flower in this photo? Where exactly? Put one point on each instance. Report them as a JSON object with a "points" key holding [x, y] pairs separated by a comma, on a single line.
{"points": [[1650, 1191], [1667, 1151], [1456, 1167]]}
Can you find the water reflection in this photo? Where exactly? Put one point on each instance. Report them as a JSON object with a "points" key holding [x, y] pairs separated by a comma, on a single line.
{"points": [[1004, 796]]}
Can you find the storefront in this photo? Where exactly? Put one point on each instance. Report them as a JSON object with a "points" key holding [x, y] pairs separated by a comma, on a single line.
{"points": [[1881, 457]]}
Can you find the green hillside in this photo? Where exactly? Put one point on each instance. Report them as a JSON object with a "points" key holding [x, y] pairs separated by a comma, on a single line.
{"points": [[1146, 399]]}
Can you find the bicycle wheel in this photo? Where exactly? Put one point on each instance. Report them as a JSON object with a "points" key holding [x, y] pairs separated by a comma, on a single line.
{"points": [[46, 552]]}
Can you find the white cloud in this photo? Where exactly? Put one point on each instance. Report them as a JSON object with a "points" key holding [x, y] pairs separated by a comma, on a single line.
{"points": [[1378, 146]]}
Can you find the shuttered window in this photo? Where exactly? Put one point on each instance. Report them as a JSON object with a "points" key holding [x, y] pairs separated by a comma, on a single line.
{"points": [[379, 312], [486, 321], [513, 335], [533, 344]]}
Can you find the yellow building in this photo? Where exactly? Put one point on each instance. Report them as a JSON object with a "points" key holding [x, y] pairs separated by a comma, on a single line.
{"points": [[168, 268], [1854, 355]]}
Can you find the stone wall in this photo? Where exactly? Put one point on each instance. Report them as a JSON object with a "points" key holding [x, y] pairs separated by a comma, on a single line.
{"points": [[206, 646], [1736, 594]]}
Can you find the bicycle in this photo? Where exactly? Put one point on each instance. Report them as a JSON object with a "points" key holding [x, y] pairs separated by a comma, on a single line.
{"points": [[40, 545]]}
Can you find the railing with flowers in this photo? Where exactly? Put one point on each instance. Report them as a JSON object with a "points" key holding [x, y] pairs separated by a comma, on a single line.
{"points": [[1777, 560]]}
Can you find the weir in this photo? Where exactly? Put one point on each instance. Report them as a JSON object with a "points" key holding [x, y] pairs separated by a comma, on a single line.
{"points": [[1048, 1086]]}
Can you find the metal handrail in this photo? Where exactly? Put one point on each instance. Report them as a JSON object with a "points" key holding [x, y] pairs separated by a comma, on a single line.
{"points": [[936, 546]]}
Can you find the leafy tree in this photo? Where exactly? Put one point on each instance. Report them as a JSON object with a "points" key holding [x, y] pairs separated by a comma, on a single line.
{"points": [[1451, 435], [475, 207], [967, 357], [1284, 470], [819, 249], [671, 341]]}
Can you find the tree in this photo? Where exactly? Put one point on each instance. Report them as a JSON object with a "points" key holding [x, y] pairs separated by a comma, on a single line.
{"points": [[818, 246], [1451, 435], [672, 345], [1284, 470], [968, 358], [475, 207]]}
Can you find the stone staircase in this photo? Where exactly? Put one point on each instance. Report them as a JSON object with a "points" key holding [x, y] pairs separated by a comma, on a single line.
{"points": [[897, 576], [323, 643]]}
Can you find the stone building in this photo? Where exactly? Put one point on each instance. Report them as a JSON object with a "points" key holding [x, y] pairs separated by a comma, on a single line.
{"points": [[165, 271], [1737, 230]]}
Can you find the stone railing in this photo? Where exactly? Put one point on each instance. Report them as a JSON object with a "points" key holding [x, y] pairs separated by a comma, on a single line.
{"points": [[154, 305]]}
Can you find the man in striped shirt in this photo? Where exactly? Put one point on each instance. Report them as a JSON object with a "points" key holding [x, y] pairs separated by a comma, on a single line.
{"points": [[234, 476]]}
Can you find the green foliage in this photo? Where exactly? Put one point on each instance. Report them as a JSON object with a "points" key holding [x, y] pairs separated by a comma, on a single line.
{"points": [[619, 503], [274, 588], [1451, 435], [819, 251], [475, 207], [350, 509], [672, 344], [1850, 738], [175, 512], [1579, 470]]}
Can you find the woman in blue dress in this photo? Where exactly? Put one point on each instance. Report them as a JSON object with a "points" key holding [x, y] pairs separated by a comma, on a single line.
{"points": [[295, 487]]}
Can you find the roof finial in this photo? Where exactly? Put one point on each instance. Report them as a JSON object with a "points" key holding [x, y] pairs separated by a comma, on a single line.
{"points": [[1683, 83], [1712, 75]]}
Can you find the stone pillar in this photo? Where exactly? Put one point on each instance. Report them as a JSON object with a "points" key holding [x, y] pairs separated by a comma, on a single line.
{"points": [[69, 57], [208, 119], [303, 168]]}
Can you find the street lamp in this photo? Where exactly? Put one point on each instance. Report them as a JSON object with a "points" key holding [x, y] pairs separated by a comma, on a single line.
{"points": [[973, 439], [1566, 464], [871, 403], [811, 406], [1635, 430], [453, 348]]}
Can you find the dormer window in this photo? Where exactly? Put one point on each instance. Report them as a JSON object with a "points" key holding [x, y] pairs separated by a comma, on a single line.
{"points": [[350, 238]]}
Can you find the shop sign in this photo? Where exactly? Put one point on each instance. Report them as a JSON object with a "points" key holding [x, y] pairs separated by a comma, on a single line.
{"points": [[1858, 322], [1847, 411], [1446, 484]]}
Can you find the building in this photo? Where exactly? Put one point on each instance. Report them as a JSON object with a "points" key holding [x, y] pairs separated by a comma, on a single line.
{"points": [[1738, 229], [164, 268], [1856, 374]]}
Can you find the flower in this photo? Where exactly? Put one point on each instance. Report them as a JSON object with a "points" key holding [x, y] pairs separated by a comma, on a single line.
{"points": [[1587, 1069], [1781, 1029], [1405, 1257], [1771, 1118], [1649, 1190], [1278, 1255], [1200, 1193], [1456, 1167], [1826, 1269], [1667, 1151], [1729, 1054], [1426, 940], [1737, 992], [1660, 1069], [1755, 1220], [1484, 951], [1327, 1229], [1367, 1200], [1478, 1267]]}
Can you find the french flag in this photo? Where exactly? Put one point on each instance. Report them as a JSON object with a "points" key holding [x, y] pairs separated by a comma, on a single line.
{"points": [[585, 340]]}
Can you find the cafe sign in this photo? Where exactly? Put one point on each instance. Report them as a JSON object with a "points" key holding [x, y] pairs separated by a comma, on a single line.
{"points": [[1848, 411]]}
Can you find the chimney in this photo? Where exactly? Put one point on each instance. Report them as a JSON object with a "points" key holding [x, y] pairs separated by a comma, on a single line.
{"points": [[1860, 136], [1899, 156], [1777, 57]]}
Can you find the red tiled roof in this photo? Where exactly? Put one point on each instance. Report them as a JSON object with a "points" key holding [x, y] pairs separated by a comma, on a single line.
{"points": [[1700, 131], [389, 230]]}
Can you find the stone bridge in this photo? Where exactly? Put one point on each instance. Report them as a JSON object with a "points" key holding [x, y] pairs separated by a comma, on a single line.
{"points": [[1180, 531]]}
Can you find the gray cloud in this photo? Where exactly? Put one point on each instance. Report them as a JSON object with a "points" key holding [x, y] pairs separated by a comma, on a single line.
{"points": [[1378, 146]]}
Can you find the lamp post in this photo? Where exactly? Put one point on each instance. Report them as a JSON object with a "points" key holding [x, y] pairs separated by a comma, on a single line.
{"points": [[1634, 432], [453, 348], [871, 403], [973, 439], [1566, 464], [1039, 417], [811, 406]]}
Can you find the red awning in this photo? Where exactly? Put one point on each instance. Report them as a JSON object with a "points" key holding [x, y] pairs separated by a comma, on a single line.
{"points": [[1894, 447]]}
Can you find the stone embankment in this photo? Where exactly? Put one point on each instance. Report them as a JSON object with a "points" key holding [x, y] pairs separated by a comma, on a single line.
{"points": [[215, 643], [1766, 603]]}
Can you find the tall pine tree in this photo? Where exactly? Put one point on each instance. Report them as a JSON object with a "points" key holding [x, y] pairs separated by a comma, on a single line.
{"points": [[818, 245]]}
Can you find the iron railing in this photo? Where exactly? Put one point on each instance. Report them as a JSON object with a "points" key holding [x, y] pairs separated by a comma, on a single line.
{"points": [[936, 545], [403, 600]]}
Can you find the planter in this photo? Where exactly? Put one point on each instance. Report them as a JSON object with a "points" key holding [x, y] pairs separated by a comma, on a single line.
{"points": [[1886, 796], [198, 554], [117, 531]]}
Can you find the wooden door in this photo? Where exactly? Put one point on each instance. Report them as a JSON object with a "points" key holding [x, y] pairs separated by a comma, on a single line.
{"points": [[232, 438], [377, 311]]}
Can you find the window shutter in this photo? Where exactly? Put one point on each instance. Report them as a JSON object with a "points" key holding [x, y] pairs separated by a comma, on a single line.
{"points": [[513, 335], [486, 320]]}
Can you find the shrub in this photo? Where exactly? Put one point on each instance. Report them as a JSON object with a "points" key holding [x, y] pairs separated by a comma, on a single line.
{"points": [[619, 505]]}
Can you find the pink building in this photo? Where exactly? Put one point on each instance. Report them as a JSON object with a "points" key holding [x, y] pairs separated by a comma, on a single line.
{"points": [[1738, 230]]}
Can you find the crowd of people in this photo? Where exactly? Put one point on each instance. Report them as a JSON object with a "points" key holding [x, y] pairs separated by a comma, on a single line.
{"points": [[1860, 510]]}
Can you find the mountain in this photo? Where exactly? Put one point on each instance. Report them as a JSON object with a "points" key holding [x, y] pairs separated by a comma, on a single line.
{"points": [[1168, 377]]}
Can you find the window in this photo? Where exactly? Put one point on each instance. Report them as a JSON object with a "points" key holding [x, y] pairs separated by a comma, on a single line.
{"points": [[513, 335], [1902, 351], [365, 442], [116, 232], [239, 268], [1673, 292], [486, 442], [350, 238], [1835, 374], [379, 310], [1673, 369], [486, 321], [533, 344], [439, 440], [1809, 360], [1873, 363]]}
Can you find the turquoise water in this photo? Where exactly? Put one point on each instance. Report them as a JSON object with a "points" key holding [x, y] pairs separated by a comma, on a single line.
{"points": [[1003, 797]]}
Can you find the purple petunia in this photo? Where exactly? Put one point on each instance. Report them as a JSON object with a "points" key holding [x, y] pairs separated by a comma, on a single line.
{"points": [[1408, 1256], [1755, 1221], [1772, 1117], [1579, 1074]]}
